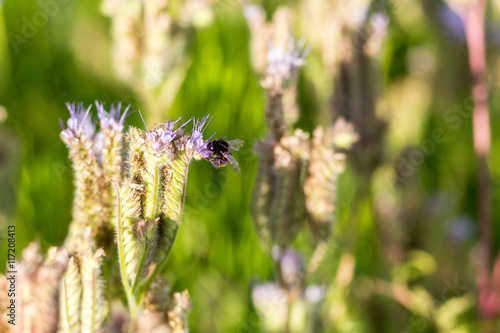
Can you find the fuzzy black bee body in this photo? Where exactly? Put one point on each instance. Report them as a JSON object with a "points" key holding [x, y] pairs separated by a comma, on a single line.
{"points": [[221, 152]]}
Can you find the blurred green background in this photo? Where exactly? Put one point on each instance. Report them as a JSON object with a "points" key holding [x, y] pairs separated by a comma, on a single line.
{"points": [[423, 73]]}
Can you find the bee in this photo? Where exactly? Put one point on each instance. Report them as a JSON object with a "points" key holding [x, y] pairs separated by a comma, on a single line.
{"points": [[220, 152]]}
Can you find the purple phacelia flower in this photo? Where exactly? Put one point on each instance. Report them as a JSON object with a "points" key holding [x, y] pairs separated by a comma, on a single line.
{"points": [[196, 142], [163, 134], [79, 122], [291, 264], [284, 62], [112, 120]]}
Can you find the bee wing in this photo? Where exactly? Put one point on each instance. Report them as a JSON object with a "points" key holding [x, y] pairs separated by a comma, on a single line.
{"points": [[235, 144], [232, 161]]}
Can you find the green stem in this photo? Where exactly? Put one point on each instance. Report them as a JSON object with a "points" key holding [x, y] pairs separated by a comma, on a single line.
{"points": [[141, 265]]}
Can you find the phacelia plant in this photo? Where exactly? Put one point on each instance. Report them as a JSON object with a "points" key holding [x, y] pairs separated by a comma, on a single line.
{"points": [[128, 202]]}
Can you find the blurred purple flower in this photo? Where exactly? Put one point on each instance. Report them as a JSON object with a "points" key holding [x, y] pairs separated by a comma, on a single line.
{"points": [[314, 293], [452, 22], [268, 292], [291, 264], [282, 63], [461, 229]]}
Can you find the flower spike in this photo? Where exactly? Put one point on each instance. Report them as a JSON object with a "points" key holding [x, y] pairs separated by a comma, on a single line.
{"points": [[196, 144], [163, 134], [79, 122], [113, 119]]}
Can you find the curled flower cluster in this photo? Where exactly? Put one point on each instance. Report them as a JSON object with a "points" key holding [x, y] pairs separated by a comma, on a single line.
{"points": [[79, 124], [196, 145], [163, 134], [112, 120], [327, 162]]}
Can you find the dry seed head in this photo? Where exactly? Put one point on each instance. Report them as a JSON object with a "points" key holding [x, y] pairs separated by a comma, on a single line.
{"points": [[342, 134], [291, 148], [39, 289], [180, 305], [152, 322], [325, 166]]}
